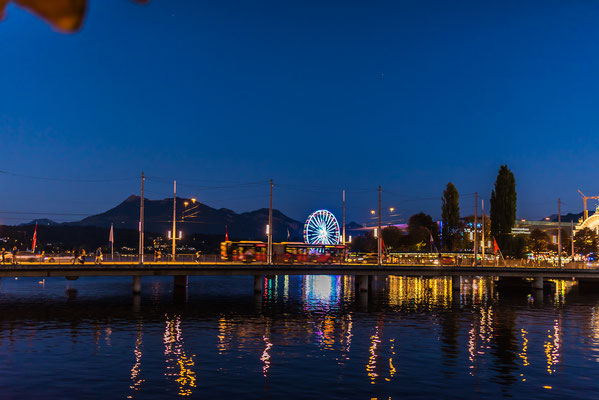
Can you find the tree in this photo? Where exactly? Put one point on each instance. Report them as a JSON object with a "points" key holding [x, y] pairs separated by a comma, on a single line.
{"points": [[420, 228], [365, 243], [585, 241], [393, 238], [450, 215], [503, 207], [538, 241]]}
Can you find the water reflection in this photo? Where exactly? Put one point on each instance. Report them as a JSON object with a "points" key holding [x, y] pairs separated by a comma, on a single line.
{"points": [[136, 379], [409, 334], [178, 363]]}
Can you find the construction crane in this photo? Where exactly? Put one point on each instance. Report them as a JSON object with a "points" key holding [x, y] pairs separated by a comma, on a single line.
{"points": [[584, 202]]}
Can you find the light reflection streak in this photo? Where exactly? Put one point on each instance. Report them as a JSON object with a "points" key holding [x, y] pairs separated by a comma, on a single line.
{"points": [[108, 332], [136, 380], [480, 335], [286, 288], [524, 353], [321, 292], [224, 336], [417, 292], [372, 359], [594, 327], [392, 369], [349, 333], [176, 358], [265, 357], [552, 347]]}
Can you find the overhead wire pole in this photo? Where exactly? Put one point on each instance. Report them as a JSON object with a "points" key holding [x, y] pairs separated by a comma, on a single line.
{"points": [[559, 232], [380, 235], [343, 217], [173, 235], [141, 223], [482, 210], [572, 237], [475, 228], [269, 226]]}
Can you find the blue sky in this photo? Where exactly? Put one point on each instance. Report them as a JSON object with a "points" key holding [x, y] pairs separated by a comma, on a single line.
{"points": [[317, 95]]}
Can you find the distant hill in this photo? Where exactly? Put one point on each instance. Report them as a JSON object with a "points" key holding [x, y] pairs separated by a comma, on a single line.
{"points": [[570, 217], [202, 219], [41, 221]]}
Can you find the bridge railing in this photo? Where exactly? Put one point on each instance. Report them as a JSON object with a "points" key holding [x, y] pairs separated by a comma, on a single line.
{"points": [[152, 258]]}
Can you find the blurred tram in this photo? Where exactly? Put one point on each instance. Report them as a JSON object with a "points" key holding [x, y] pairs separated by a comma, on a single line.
{"points": [[284, 252]]}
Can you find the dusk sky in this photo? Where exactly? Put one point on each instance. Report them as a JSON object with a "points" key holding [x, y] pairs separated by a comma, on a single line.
{"points": [[319, 96]]}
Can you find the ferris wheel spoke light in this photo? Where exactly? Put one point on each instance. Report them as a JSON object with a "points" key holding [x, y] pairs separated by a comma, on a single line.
{"points": [[322, 227]]}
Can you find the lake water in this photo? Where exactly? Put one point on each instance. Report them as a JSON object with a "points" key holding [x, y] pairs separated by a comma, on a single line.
{"points": [[303, 337]]}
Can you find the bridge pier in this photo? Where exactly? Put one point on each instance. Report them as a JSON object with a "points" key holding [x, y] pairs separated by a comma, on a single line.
{"points": [[456, 283], [258, 283], [180, 283], [537, 283], [136, 284], [362, 282]]}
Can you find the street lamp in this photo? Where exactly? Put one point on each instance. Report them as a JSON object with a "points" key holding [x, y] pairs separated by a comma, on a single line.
{"points": [[190, 211], [372, 212]]}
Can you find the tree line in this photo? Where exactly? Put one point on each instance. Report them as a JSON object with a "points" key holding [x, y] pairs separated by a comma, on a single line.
{"points": [[423, 233]]}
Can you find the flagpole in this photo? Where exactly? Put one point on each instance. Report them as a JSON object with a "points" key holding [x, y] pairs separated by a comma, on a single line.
{"points": [[112, 242], [34, 238]]}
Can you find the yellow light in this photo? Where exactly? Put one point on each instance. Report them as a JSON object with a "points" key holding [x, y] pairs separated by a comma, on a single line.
{"points": [[193, 200], [523, 220], [372, 212], [392, 209], [546, 218], [186, 203]]}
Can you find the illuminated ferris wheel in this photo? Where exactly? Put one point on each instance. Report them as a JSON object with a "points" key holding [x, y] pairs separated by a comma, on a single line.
{"points": [[321, 227]]}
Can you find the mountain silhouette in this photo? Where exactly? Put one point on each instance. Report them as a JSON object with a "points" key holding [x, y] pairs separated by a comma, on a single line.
{"points": [[195, 218]]}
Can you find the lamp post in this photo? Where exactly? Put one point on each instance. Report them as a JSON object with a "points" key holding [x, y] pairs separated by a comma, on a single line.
{"points": [[174, 216]]}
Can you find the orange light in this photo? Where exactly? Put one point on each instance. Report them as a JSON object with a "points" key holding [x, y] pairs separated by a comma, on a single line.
{"points": [[193, 200], [186, 203]]}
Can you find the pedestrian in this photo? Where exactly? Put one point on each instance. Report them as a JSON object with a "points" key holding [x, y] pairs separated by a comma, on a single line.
{"points": [[75, 255], [3, 255], [14, 254], [198, 256], [98, 255], [82, 257]]}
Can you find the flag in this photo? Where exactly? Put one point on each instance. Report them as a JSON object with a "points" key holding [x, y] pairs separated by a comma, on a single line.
{"points": [[495, 247], [111, 235], [226, 233], [34, 238]]}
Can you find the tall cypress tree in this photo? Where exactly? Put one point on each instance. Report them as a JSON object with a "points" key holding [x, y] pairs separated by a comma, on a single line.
{"points": [[503, 207], [450, 215]]}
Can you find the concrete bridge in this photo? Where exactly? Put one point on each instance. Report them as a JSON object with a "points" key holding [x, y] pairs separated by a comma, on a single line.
{"points": [[363, 273]]}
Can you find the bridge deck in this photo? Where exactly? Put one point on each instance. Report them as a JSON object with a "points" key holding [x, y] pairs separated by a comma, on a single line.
{"points": [[164, 269]]}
